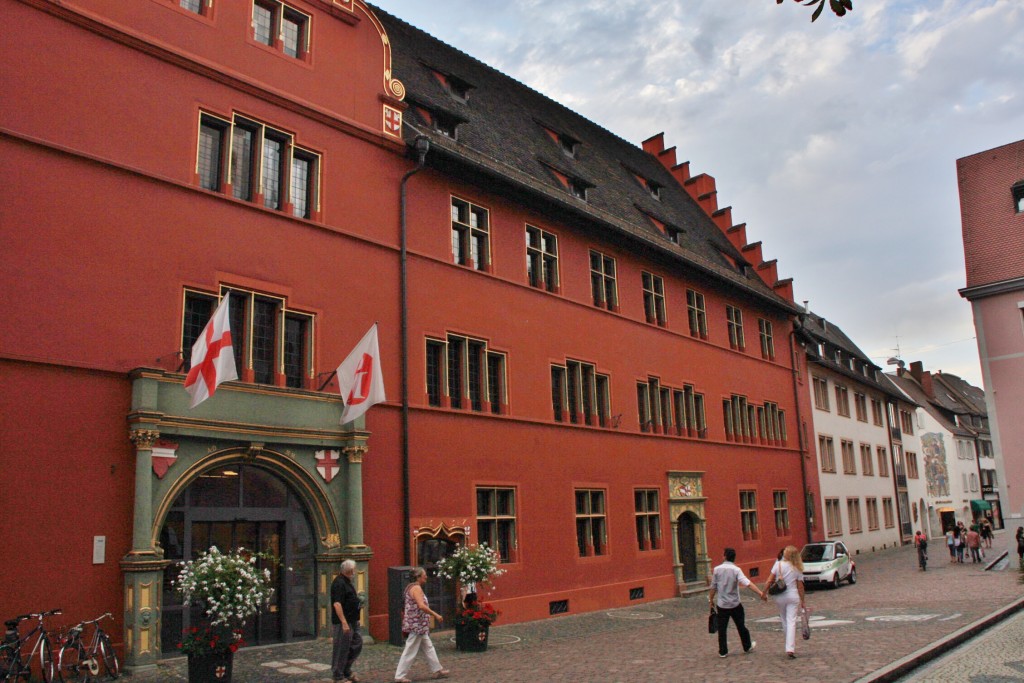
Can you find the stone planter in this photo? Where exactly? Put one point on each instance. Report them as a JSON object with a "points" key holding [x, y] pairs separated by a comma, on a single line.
{"points": [[471, 638], [214, 668]]}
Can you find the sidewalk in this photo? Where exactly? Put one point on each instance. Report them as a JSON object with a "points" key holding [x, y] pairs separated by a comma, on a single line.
{"points": [[894, 611]]}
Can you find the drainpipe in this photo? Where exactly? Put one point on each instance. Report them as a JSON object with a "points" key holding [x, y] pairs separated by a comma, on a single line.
{"points": [[421, 147], [797, 323]]}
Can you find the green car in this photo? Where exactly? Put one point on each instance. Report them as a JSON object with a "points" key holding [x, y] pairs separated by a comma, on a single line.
{"points": [[827, 563]]}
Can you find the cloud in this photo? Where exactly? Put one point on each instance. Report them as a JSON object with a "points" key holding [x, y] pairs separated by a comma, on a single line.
{"points": [[835, 141]]}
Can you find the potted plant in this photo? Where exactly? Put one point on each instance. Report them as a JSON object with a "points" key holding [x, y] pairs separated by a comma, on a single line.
{"points": [[469, 566], [472, 624], [230, 588]]}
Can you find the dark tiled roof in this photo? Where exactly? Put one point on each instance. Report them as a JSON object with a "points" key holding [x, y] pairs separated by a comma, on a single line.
{"points": [[817, 330], [969, 395], [503, 140], [910, 387]]}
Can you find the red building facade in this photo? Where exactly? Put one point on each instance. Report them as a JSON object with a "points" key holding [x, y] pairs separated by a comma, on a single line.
{"points": [[598, 374]]}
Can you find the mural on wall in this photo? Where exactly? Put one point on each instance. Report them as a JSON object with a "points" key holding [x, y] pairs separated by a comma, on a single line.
{"points": [[935, 468]]}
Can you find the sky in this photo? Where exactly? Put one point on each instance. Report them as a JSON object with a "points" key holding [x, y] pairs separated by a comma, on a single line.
{"points": [[835, 142]]}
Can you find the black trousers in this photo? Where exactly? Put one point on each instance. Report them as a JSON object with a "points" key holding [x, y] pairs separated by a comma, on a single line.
{"points": [[739, 618]]}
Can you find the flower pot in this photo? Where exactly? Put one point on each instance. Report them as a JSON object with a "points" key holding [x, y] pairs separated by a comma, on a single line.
{"points": [[212, 668], [471, 637]]}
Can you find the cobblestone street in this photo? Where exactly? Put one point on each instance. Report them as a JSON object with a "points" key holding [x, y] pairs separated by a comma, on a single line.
{"points": [[894, 610]]}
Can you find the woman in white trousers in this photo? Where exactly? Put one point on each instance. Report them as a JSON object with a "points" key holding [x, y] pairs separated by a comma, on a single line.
{"points": [[790, 569], [416, 622]]}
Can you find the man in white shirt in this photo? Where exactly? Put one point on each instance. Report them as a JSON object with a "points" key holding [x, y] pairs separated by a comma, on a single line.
{"points": [[725, 596]]}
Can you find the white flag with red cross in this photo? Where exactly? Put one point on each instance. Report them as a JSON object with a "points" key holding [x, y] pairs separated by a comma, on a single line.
{"points": [[327, 463], [213, 359], [359, 380]]}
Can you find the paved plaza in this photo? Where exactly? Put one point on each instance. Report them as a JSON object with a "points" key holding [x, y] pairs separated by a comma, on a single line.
{"points": [[894, 614]]}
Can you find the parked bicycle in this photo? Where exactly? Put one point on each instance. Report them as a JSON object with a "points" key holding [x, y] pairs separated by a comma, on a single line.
{"points": [[78, 661], [15, 664]]}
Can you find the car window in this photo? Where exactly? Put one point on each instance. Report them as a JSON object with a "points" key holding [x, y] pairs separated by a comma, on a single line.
{"points": [[816, 553], [841, 549]]}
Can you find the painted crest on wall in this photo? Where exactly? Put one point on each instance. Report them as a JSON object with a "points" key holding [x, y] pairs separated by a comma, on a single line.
{"points": [[164, 454], [327, 464]]}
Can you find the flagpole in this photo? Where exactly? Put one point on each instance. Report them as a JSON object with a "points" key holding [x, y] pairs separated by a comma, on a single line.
{"points": [[421, 147]]}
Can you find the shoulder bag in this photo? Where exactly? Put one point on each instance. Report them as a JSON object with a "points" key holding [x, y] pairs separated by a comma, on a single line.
{"points": [[779, 585]]}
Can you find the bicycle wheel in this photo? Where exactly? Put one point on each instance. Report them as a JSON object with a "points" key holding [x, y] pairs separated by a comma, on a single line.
{"points": [[46, 663], [109, 657], [70, 663]]}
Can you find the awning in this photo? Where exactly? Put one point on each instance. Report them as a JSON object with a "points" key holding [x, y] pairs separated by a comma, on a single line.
{"points": [[979, 505]]}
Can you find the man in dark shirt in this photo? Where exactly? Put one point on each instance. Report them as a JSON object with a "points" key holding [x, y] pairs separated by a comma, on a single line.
{"points": [[345, 610]]}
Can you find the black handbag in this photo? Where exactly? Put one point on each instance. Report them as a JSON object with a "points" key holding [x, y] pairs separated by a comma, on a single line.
{"points": [[778, 586], [713, 621]]}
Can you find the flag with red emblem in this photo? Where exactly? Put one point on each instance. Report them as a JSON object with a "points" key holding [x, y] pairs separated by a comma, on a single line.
{"points": [[359, 380], [213, 359]]}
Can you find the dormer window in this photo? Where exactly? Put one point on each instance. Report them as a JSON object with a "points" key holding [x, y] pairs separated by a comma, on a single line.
{"points": [[653, 188], [578, 188], [455, 86], [1018, 196], [440, 121], [568, 144]]}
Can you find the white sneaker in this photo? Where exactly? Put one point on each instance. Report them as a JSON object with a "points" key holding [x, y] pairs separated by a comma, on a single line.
{"points": [[753, 644]]}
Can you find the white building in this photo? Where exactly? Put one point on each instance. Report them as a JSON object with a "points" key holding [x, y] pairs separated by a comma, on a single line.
{"points": [[863, 470], [952, 434]]}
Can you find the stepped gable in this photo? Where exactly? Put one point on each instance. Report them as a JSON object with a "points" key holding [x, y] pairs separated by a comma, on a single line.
{"points": [[508, 133], [702, 189]]}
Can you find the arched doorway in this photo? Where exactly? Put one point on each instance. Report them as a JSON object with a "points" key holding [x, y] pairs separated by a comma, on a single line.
{"points": [[243, 506], [686, 538], [432, 546]]}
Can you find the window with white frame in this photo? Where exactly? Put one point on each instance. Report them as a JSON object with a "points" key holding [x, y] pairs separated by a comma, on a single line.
{"points": [[591, 523], [780, 503], [541, 259], [471, 238], [764, 328], [696, 314], [748, 515], [265, 165], [654, 298], [602, 281], [580, 394], [648, 518], [496, 519], [734, 318], [281, 27], [271, 341], [464, 373]]}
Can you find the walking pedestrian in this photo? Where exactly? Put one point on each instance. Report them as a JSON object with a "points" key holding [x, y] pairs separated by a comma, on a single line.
{"points": [[958, 544], [921, 542], [949, 544], [725, 598], [1020, 542], [416, 623], [790, 569], [974, 543], [345, 619], [986, 532]]}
